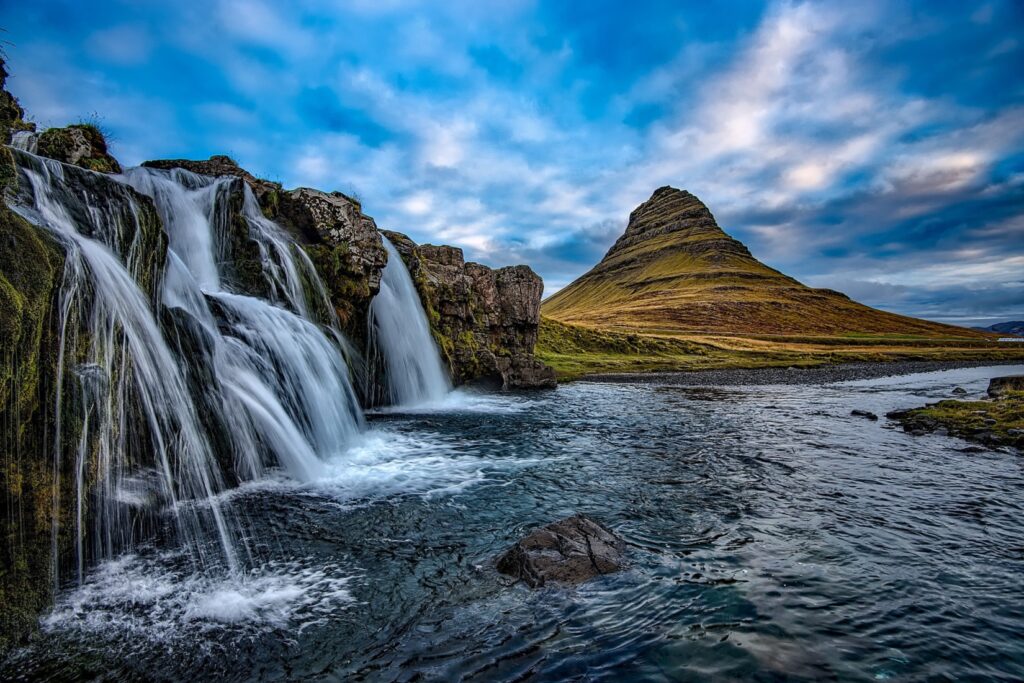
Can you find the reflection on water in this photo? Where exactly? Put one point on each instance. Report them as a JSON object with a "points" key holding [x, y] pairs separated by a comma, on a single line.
{"points": [[772, 536]]}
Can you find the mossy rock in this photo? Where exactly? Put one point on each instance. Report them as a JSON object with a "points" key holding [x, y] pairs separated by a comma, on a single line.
{"points": [[31, 264], [81, 144]]}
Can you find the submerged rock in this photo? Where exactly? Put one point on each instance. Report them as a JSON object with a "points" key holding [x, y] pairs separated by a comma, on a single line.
{"points": [[1000, 386], [864, 413], [570, 551], [959, 391]]}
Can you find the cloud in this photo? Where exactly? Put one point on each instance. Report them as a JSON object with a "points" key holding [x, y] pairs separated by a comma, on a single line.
{"points": [[877, 147]]}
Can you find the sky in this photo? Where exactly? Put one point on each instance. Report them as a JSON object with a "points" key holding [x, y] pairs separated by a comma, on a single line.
{"points": [[872, 148]]}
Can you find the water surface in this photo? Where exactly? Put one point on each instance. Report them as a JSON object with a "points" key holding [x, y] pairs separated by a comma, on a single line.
{"points": [[772, 537]]}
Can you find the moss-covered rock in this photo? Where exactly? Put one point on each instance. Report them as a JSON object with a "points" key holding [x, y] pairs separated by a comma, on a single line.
{"points": [[11, 120], [80, 144], [30, 273], [997, 422]]}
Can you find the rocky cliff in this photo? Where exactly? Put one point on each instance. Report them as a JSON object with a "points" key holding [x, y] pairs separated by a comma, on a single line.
{"points": [[484, 320]]}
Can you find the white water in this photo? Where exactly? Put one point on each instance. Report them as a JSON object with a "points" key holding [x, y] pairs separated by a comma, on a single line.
{"points": [[282, 376], [25, 140], [132, 384], [399, 328]]}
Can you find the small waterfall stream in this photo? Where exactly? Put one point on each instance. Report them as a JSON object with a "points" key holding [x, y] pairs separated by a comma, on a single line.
{"points": [[399, 328]]}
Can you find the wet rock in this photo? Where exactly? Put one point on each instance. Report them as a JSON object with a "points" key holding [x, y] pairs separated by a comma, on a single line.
{"points": [[569, 551], [81, 144], [1000, 386], [864, 413], [959, 391]]}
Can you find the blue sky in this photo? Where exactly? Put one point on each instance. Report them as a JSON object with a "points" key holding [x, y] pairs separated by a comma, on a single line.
{"points": [[874, 148]]}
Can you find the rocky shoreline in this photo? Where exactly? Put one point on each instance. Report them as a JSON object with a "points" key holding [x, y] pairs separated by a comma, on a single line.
{"points": [[819, 374]]}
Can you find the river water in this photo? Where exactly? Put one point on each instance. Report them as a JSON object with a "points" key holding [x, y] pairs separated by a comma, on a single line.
{"points": [[772, 536]]}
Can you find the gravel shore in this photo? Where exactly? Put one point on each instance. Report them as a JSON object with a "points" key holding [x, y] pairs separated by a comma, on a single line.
{"points": [[824, 374]]}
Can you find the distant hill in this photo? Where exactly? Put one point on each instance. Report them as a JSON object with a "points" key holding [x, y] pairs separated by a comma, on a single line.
{"points": [[1010, 327], [675, 270]]}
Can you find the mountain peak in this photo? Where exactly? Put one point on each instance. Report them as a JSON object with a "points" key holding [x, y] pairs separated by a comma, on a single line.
{"points": [[675, 270], [669, 210]]}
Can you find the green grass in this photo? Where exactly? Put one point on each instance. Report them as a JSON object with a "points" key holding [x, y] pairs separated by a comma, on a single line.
{"points": [[574, 351], [995, 420]]}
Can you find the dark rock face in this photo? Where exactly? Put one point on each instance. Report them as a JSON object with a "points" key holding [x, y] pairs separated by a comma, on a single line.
{"points": [[485, 321], [81, 145], [999, 386], [569, 551]]}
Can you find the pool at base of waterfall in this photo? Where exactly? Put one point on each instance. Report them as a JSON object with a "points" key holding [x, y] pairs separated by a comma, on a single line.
{"points": [[771, 536]]}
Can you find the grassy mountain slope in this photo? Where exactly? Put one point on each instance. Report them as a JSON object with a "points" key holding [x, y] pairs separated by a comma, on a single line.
{"points": [[675, 270]]}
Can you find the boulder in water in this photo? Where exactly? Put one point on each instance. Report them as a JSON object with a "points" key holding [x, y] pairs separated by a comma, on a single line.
{"points": [[1000, 386], [864, 413], [570, 551]]}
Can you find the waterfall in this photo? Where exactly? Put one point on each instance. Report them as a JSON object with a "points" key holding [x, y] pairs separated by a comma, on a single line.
{"points": [[25, 140], [399, 330], [181, 381]]}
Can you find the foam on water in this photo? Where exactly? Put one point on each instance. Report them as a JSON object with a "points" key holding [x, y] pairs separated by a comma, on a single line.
{"points": [[159, 599], [461, 401]]}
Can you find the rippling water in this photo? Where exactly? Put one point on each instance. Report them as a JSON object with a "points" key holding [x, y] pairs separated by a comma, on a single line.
{"points": [[773, 536]]}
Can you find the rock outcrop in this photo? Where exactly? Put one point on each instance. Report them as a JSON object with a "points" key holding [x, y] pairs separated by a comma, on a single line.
{"points": [[80, 144], [344, 245], [485, 320], [1001, 386], [569, 551]]}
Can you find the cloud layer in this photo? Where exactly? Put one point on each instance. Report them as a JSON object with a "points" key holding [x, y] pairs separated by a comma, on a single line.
{"points": [[872, 148]]}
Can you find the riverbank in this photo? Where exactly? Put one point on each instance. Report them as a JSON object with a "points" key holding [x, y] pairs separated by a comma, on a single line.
{"points": [[819, 374]]}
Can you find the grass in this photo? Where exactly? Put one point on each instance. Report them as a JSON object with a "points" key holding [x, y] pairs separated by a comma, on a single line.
{"points": [[574, 350], [996, 422]]}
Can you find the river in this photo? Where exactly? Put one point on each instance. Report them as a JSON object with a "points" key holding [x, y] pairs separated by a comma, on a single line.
{"points": [[772, 536]]}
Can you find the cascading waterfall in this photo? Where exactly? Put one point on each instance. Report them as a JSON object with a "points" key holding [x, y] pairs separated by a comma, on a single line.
{"points": [[132, 383], [170, 386], [414, 372]]}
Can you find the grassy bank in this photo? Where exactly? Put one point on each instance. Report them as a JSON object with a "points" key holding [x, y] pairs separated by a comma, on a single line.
{"points": [[996, 422], [575, 351]]}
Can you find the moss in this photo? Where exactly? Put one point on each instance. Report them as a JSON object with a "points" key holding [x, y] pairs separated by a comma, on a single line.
{"points": [[66, 145], [348, 289], [996, 422], [30, 270], [270, 203]]}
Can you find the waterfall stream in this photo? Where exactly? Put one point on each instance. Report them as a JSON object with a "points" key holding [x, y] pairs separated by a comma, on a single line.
{"points": [[413, 369], [184, 383]]}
